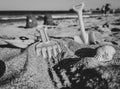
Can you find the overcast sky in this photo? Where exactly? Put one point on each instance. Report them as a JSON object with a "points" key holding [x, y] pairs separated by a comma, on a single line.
{"points": [[52, 4]]}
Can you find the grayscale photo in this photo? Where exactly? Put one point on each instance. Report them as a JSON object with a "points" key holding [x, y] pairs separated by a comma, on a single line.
{"points": [[59, 44]]}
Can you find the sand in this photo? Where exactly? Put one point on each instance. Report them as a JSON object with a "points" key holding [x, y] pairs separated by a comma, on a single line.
{"points": [[26, 70]]}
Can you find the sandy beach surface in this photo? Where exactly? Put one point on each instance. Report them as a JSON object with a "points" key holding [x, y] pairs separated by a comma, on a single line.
{"points": [[23, 69]]}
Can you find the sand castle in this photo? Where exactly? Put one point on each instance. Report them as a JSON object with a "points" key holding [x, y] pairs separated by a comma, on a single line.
{"points": [[31, 21]]}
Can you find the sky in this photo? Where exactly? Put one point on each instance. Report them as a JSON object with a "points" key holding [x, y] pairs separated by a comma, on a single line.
{"points": [[53, 4]]}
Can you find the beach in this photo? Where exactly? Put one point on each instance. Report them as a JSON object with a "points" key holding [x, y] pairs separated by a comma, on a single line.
{"points": [[26, 70]]}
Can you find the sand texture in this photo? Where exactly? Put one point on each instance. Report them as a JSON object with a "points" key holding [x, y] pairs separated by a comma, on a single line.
{"points": [[78, 65]]}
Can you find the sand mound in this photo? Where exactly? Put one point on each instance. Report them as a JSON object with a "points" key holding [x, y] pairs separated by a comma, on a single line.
{"points": [[26, 70]]}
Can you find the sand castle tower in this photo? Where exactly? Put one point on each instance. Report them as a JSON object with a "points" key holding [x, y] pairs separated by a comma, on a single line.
{"points": [[48, 20], [31, 21]]}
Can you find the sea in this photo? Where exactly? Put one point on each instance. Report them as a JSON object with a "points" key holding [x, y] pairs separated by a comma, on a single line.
{"points": [[20, 16]]}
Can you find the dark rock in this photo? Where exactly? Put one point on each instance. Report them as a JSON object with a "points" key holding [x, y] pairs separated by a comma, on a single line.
{"points": [[117, 23], [115, 30], [114, 43]]}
